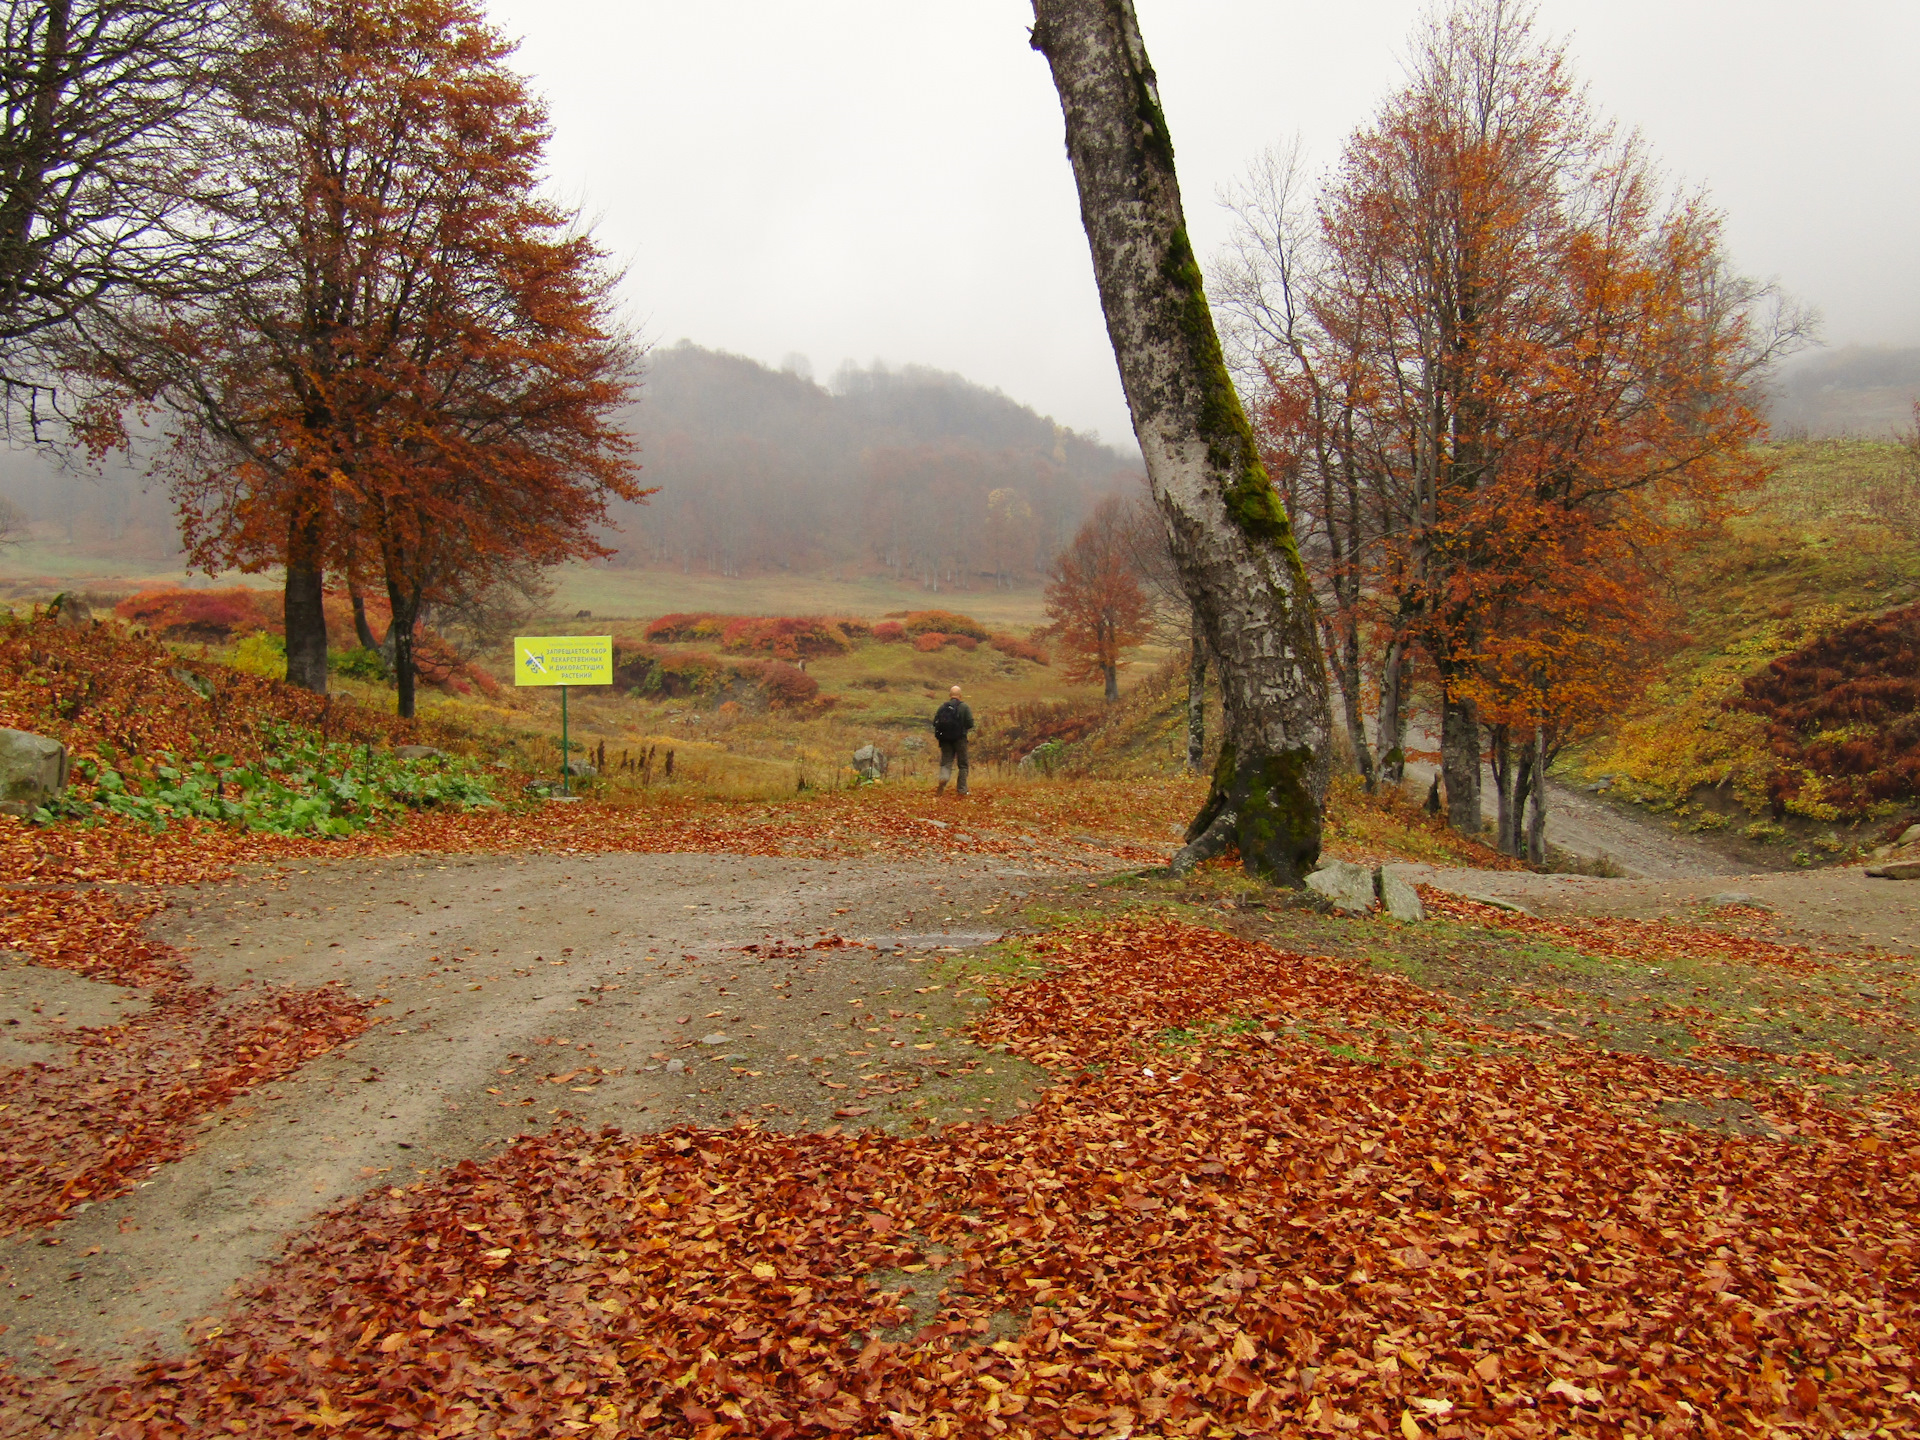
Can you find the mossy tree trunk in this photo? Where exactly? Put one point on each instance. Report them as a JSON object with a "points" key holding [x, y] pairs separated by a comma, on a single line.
{"points": [[1227, 528], [1197, 697]]}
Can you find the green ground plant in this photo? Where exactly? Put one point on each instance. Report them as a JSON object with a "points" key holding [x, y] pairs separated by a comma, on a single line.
{"points": [[305, 786]]}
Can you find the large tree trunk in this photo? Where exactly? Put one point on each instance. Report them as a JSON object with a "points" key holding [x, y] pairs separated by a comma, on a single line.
{"points": [[362, 631], [306, 615], [1113, 680], [1226, 525], [1197, 698], [1345, 645], [406, 611], [1505, 773], [1460, 760], [1537, 821], [1391, 728]]}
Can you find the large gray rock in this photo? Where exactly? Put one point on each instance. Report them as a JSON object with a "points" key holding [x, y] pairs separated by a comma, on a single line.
{"points": [[33, 770], [1896, 870], [1400, 898], [71, 611], [870, 761], [418, 752], [1347, 885]]}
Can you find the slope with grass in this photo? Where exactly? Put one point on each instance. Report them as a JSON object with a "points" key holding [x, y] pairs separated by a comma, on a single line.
{"points": [[1827, 542]]}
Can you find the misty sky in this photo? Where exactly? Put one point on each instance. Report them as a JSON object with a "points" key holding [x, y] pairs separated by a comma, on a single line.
{"points": [[886, 179]]}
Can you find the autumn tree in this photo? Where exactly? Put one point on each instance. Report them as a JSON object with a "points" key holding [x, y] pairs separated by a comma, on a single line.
{"points": [[1097, 605], [411, 380], [1227, 527], [105, 111], [1515, 352]]}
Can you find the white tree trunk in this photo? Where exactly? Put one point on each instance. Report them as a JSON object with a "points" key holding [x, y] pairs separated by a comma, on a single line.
{"points": [[1226, 525]]}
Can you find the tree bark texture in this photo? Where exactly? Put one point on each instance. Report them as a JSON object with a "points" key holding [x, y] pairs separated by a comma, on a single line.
{"points": [[1391, 727], [1460, 761], [1537, 819], [1197, 698], [306, 614], [1227, 527]]}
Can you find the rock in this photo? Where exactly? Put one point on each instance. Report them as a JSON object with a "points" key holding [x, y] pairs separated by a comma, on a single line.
{"points": [[1737, 897], [715, 1039], [199, 684], [418, 752], [1400, 898], [70, 611], [1511, 906], [870, 761], [582, 769], [674, 1067], [33, 770], [1896, 870], [1909, 836], [1347, 885]]}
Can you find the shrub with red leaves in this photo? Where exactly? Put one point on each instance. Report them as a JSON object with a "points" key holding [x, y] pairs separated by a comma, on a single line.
{"points": [[1844, 713], [1016, 647], [889, 632], [208, 617], [787, 686], [929, 640]]}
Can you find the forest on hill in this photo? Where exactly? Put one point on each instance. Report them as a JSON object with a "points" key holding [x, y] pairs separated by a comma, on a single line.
{"points": [[913, 470]]}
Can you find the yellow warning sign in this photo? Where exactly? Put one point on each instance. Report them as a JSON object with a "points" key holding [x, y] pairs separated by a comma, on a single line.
{"points": [[563, 659]]}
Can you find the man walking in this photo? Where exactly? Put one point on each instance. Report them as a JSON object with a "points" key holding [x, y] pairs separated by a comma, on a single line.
{"points": [[951, 722]]}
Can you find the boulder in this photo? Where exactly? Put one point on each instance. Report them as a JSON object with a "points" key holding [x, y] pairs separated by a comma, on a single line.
{"points": [[1400, 898], [582, 769], [418, 752], [1498, 902], [33, 770], [70, 611], [198, 684], [1737, 897], [1896, 870], [1348, 886], [870, 762]]}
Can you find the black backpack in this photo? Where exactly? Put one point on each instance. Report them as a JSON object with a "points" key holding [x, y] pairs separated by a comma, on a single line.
{"points": [[946, 722]]}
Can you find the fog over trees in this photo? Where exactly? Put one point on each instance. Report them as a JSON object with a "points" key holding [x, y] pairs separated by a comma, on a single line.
{"points": [[912, 470]]}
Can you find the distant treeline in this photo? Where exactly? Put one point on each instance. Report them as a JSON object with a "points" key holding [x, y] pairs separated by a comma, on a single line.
{"points": [[915, 471], [1863, 390]]}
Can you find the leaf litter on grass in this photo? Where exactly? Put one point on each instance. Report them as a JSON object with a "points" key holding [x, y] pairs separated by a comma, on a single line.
{"points": [[1336, 1205]]}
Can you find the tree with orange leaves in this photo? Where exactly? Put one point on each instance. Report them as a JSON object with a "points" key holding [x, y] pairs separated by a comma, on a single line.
{"points": [[1097, 602], [1514, 359], [417, 364]]}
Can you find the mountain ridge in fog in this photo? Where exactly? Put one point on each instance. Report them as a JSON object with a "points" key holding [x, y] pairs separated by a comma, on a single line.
{"points": [[913, 471]]}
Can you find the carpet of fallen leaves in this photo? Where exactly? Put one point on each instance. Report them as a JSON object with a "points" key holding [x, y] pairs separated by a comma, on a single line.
{"points": [[125, 1101], [1268, 1194]]}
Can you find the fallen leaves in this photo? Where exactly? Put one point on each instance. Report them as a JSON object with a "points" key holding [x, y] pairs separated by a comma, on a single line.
{"points": [[123, 1102], [1270, 1193]]}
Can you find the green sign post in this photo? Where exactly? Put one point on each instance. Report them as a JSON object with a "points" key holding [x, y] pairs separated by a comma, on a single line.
{"points": [[563, 660]]}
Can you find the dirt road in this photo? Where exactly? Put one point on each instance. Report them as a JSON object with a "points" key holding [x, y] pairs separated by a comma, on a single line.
{"points": [[510, 994], [513, 993]]}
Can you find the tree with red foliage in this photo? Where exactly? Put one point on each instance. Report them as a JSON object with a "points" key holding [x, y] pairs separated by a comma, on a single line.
{"points": [[1510, 355], [1097, 604], [418, 366]]}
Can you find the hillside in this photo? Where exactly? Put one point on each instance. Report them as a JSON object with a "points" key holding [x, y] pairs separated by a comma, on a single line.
{"points": [[909, 475], [914, 472], [1826, 545], [1860, 390]]}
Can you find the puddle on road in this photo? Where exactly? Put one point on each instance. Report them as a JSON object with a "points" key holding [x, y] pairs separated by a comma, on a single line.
{"points": [[954, 940]]}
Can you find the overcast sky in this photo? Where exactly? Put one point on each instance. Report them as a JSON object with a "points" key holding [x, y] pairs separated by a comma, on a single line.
{"points": [[886, 179]]}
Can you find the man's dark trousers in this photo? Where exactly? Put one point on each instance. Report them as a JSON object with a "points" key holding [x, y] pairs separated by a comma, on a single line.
{"points": [[952, 753]]}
